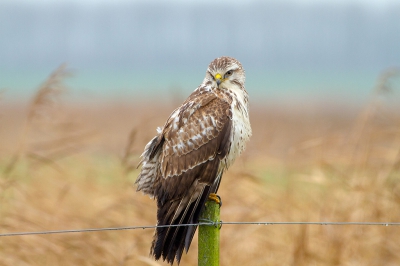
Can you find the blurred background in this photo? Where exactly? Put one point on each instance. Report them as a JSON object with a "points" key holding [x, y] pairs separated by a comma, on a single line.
{"points": [[84, 85], [291, 49]]}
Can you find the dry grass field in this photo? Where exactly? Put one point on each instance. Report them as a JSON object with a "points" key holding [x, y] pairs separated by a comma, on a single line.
{"points": [[66, 166]]}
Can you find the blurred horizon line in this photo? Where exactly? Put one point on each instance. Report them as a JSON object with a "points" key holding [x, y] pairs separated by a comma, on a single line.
{"points": [[288, 49]]}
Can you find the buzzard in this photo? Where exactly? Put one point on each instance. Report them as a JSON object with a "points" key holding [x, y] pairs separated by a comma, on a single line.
{"points": [[182, 166]]}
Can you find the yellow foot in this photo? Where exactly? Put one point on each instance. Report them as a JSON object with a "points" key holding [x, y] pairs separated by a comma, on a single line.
{"points": [[215, 198]]}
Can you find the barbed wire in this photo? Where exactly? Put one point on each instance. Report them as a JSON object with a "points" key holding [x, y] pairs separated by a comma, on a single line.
{"points": [[210, 223]]}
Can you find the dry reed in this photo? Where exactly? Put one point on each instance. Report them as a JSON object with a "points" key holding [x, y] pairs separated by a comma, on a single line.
{"points": [[299, 166], [56, 135]]}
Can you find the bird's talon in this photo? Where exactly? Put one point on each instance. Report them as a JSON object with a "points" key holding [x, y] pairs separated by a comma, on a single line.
{"points": [[216, 198], [220, 201]]}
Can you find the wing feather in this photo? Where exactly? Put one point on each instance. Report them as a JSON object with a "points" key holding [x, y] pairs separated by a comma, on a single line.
{"points": [[196, 141]]}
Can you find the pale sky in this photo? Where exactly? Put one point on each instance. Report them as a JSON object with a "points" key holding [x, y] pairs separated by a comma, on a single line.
{"points": [[363, 2]]}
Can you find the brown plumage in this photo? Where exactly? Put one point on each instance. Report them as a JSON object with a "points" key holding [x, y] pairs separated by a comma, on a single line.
{"points": [[184, 163]]}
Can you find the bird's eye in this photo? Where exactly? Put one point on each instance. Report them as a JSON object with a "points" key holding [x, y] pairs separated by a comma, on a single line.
{"points": [[227, 74]]}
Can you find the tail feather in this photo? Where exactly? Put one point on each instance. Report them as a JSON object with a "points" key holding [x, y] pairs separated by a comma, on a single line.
{"points": [[182, 208], [170, 242], [185, 217], [192, 217]]}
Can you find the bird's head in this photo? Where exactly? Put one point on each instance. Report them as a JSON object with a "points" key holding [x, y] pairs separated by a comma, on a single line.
{"points": [[223, 72]]}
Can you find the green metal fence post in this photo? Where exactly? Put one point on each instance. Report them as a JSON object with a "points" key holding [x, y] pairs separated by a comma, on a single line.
{"points": [[208, 252]]}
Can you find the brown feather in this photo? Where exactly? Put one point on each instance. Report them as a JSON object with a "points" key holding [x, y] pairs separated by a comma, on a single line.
{"points": [[201, 144]]}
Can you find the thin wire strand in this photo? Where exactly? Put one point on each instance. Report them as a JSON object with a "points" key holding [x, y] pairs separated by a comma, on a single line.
{"points": [[100, 229], [210, 223], [315, 223]]}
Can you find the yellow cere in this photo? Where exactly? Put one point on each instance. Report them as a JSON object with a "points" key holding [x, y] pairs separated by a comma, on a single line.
{"points": [[218, 76]]}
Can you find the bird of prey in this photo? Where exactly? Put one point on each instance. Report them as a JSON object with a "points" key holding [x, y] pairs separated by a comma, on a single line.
{"points": [[182, 166]]}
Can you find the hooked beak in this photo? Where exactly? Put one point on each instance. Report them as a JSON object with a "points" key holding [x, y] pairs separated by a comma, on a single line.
{"points": [[218, 79]]}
